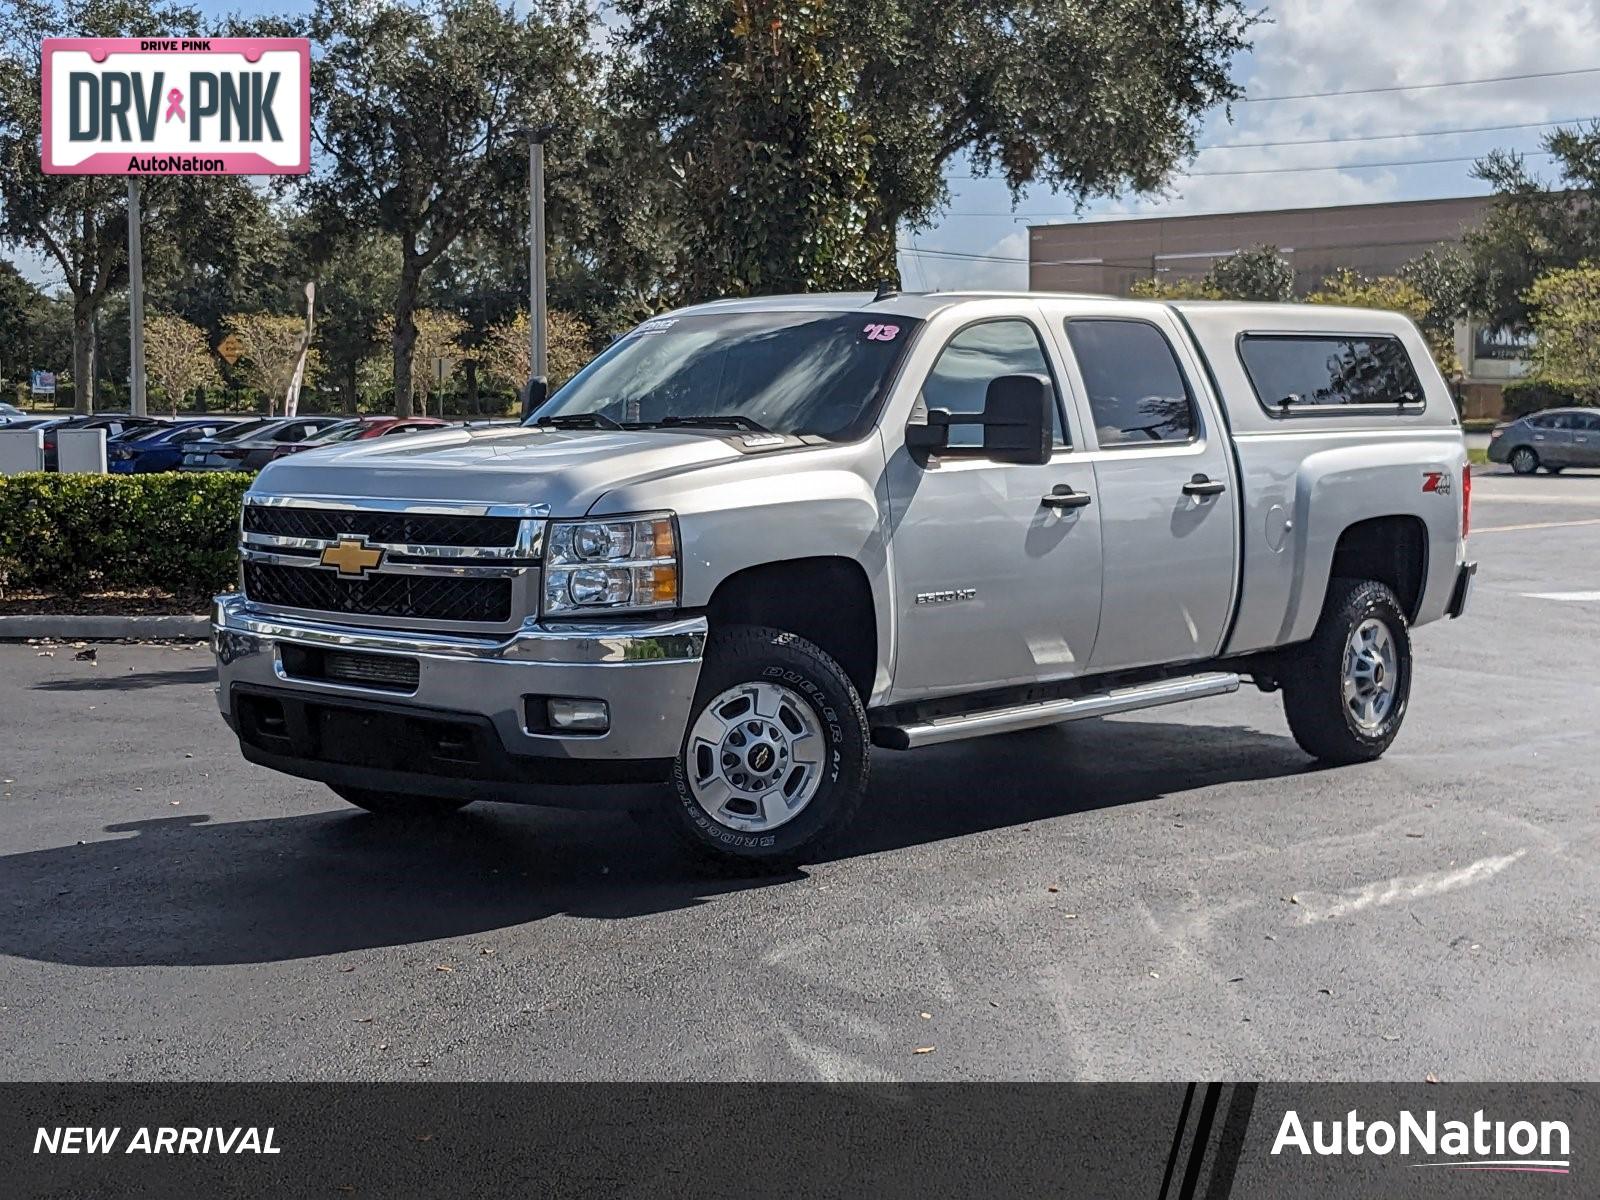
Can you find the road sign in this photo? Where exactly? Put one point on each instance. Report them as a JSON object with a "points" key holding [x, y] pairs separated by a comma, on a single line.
{"points": [[443, 368], [44, 383], [231, 348], [177, 106]]}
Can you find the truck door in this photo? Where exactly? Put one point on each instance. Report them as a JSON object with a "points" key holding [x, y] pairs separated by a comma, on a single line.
{"points": [[996, 565], [1166, 490]]}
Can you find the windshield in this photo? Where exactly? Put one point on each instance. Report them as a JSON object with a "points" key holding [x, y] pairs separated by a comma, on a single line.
{"points": [[342, 432], [234, 432], [787, 372]]}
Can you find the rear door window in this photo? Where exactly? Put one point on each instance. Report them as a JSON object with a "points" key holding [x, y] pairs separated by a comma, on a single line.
{"points": [[1292, 371]]}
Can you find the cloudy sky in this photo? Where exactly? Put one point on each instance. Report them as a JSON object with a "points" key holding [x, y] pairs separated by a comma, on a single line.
{"points": [[1310, 46], [1319, 46]]}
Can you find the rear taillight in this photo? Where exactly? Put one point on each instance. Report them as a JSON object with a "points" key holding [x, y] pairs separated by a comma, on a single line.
{"points": [[1466, 499], [231, 453]]}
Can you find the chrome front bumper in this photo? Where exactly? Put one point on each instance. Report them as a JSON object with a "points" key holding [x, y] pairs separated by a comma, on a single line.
{"points": [[645, 672]]}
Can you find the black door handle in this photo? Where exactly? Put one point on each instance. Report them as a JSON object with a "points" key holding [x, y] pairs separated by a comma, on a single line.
{"points": [[1201, 486], [1062, 496]]}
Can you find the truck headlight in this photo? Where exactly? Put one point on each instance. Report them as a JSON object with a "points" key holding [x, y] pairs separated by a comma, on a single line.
{"points": [[625, 565]]}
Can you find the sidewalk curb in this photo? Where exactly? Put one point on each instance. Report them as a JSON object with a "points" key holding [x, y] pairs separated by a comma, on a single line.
{"points": [[64, 627]]}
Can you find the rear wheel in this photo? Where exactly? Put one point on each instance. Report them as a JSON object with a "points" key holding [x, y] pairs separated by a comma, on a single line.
{"points": [[1345, 690], [400, 804], [1524, 460], [775, 760]]}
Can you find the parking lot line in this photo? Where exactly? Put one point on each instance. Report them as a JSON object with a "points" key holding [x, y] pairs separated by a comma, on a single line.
{"points": [[1535, 525]]}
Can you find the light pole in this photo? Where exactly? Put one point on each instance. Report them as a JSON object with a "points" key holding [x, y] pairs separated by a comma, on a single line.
{"points": [[136, 398], [538, 383]]}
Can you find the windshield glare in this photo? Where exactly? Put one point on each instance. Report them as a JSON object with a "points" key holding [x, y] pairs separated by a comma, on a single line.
{"points": [[790, 372]]}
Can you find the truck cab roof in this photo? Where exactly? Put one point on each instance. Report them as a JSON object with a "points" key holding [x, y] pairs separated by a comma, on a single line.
{"points": [[1241, 315]]}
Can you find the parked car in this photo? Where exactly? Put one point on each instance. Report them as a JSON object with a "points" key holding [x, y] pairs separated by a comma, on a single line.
{"points": [[115, 424], [10, 412], [359, 429], [753, 540], [1554, 439], [251, 448], [142, 451]]}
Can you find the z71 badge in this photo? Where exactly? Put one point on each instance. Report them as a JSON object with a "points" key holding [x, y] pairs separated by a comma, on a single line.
{"points": [[1436, 481]]}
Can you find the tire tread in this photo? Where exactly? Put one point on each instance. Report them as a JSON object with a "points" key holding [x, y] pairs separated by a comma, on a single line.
{"points": [[1312, 696]]}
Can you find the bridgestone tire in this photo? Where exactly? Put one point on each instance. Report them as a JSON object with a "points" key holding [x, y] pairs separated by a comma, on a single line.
{"points": [[400, 804], [742, 654], [1314, 676]]}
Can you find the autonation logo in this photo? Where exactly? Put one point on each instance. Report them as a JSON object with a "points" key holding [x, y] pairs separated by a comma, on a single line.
{"points": [[1476, 1145]]}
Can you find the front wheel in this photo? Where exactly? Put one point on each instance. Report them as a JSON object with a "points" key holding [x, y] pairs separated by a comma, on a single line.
{"points": [[1524, 460], [1345, 691], [399, 804], [775, 760]]}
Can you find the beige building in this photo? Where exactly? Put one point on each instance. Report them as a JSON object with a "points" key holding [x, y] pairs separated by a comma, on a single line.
{"points": [[1372, 239]]}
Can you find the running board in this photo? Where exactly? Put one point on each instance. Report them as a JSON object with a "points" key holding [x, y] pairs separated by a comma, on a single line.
{"points": [[1052, 712]]}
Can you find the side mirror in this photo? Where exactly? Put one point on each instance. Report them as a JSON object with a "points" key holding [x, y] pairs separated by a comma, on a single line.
{"points": [[1017, 419], [931, 436], [534, 396]]}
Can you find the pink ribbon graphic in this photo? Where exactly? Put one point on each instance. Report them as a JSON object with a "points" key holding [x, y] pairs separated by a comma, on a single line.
{"points": [[175, 105]]}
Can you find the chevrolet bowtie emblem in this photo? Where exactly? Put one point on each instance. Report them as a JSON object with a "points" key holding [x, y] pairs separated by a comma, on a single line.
{"points": [[352, 556]]}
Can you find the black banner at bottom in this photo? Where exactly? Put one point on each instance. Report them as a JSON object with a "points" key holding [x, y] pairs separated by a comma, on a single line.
{"points": [[1163, 1141]]}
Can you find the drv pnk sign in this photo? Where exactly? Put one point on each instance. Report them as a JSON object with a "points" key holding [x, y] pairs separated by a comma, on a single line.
{"points": [[177, 106]]}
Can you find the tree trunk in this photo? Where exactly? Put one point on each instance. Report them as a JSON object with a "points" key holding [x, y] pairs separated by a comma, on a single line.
{"points": [[352, 395], [82, 354], [883, 261], [470, 401], [405, 335]]}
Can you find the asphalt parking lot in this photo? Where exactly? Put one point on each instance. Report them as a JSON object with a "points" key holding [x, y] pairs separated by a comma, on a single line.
{"points": [[1162, 896]]}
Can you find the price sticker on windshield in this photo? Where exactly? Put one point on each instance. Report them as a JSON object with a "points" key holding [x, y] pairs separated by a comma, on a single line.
{"points": [[881, 333], [659, 325]]}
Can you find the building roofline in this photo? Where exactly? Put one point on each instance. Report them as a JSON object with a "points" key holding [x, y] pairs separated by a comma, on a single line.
{"points": [[1141, 219]]}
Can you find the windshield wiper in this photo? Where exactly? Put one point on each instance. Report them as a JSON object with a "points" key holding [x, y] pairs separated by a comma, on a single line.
{"points": [[728, 421], [578, 421]]}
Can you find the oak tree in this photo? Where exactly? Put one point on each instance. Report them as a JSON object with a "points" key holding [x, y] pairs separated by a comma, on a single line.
{"points": [[805, 135], [417, 111]]}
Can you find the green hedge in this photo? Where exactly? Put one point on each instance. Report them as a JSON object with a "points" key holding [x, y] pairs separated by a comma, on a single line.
{"points": [[171, 531]]}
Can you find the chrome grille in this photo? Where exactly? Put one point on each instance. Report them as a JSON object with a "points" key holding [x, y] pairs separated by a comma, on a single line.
{"points": [[412, 597], [397, 528], [439, 569]]}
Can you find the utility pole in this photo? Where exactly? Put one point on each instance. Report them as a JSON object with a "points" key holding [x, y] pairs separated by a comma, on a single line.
{"points": [[136, 399], [538, 369]]}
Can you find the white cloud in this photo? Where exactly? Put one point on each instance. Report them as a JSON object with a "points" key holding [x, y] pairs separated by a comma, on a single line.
{"points": [[1000, 265], [1341, 45]]}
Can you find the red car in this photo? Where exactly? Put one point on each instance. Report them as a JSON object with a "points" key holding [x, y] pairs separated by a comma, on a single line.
{"points": [[359, 429]]}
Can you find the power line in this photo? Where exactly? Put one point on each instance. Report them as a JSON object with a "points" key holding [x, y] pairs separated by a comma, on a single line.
{"points": [[1402, 162], [1142, 263], [1388, 137], [1374, 137], [1412, 162], [1420, 87]]}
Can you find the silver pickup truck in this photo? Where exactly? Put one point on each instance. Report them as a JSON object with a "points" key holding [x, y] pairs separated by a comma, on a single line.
{"points": [[754, 539]]}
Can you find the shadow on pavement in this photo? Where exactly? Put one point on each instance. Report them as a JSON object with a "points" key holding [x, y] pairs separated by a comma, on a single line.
{"points": [[100, 679], [184, 891]]}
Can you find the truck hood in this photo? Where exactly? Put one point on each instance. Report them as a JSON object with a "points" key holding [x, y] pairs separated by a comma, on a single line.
{"points": [[566, 470]]}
